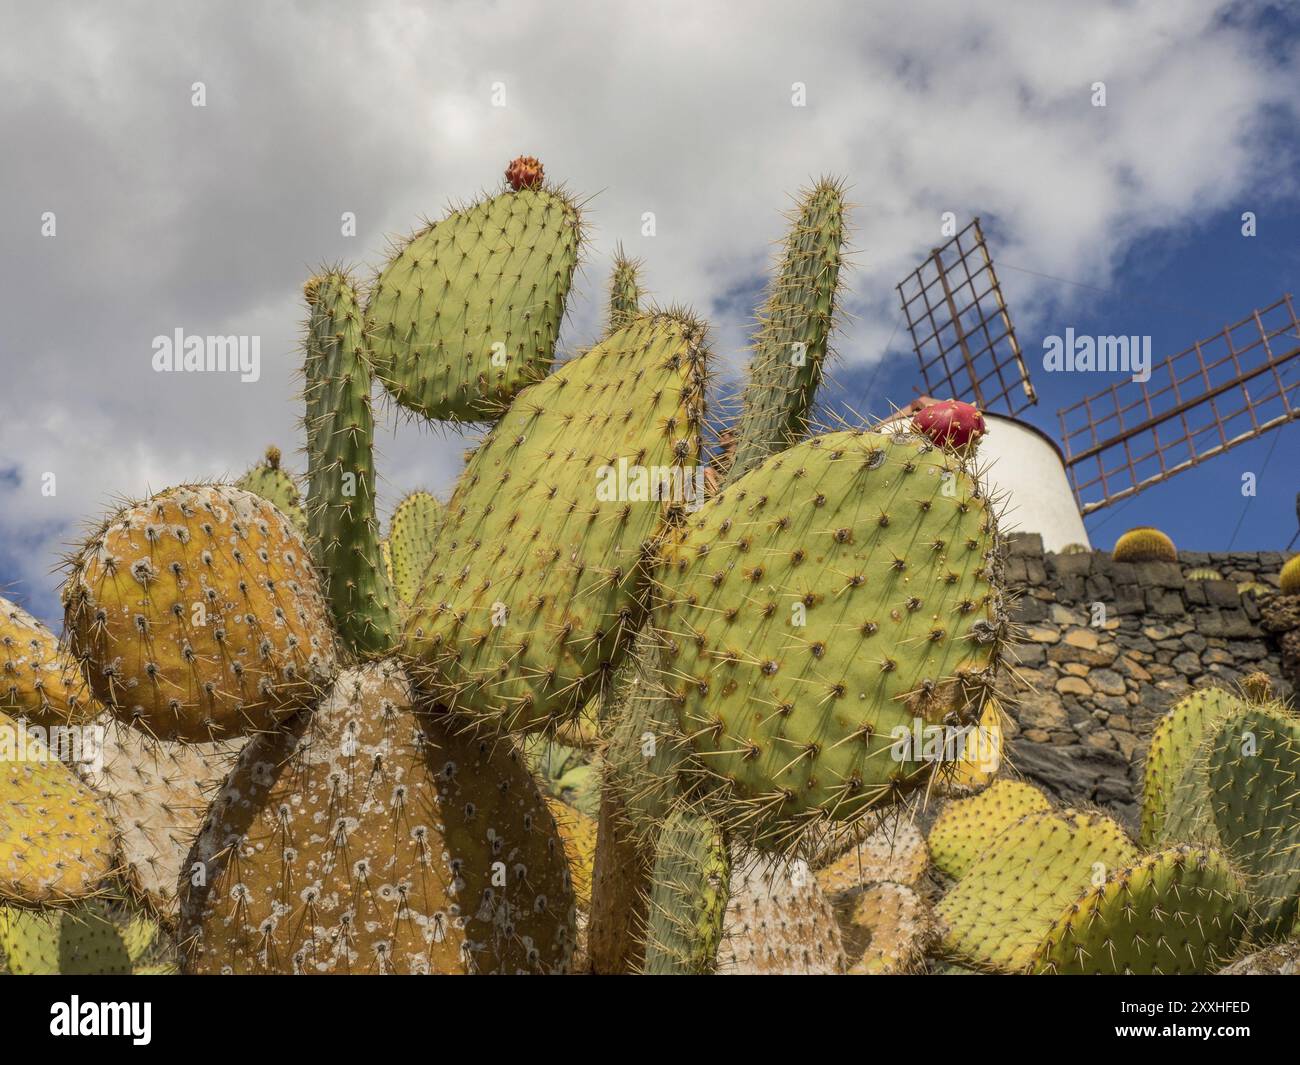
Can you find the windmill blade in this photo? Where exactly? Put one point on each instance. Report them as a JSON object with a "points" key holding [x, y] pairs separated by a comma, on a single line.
{"points": [[1221, 392], [961, 328]]}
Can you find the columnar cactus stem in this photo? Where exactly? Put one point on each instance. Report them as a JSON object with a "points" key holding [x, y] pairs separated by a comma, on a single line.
{"points": [[341, 517], [793, 338], [624, 291]]}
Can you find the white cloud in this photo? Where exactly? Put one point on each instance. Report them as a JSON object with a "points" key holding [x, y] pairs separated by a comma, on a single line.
{"points": [[211, 218]]}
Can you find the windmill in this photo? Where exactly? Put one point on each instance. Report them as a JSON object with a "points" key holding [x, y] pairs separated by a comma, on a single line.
{"points": [[1215, 395]]}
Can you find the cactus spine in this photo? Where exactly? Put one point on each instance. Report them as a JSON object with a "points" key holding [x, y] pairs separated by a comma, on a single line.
{"points": [[341, 514]]}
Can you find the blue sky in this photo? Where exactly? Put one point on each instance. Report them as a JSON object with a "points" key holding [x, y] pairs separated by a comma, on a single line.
{"points": [[1178, 287]]}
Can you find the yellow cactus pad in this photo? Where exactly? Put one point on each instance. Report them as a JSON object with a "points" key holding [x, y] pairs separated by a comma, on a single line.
{"points": [[197, 615], [39, 680], [56, 840], [998, 913], [578, 831], [1178, 911], [889, 930], [966, 827]]}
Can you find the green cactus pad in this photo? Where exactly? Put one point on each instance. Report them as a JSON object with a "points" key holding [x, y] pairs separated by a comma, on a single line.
{"points": [[467, 311], [410, 541], [341, 467], [996, 915], [792, 343], [825, 616], [966, 827], [689, 900], [1175, 788], [539, 577], [1178, 911], [1254, 784], [276, 486], [80, 941]]}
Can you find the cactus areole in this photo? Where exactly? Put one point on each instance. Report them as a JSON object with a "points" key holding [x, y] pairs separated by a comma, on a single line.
{"points": [[525, 172], [950, 423]]}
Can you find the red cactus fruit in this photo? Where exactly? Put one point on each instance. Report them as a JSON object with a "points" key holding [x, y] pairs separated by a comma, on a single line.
{"points": [[525, 173], [950, 423]]}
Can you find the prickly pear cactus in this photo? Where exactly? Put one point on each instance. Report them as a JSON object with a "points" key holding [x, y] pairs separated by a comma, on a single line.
{"points": [[91, 938], [411, 538], [1178, 911], [982, 754], [539, 576], [367, 837], [341, 481], [778, 921], [56, 839], [826, 616], [39, 680], [1175, 783], [689, 899], [1000, 910], [276, 486], [157, 793], [966, 827], [891, 928], [1254, 773], [895, 852], [1290, 576], [467, 311], [197, 615]]}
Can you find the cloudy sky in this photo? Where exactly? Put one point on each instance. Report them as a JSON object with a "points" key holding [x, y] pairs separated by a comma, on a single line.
{"points": [[209, 218]]}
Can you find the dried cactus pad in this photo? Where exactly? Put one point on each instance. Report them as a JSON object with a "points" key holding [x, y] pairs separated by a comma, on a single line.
{"points": [[1254, 784], [1175, 785], [1176, 911], [38, 679], [536, 583], [966, 827], [895, 852], [832, 602], [368, 838], [197, 615], [56, 840], [889, 930], [468, 310], [778, 922], [158, 793], [998, 913]]}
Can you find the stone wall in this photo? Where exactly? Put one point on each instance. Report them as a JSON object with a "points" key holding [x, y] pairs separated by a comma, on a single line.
{"points": [[1107, 648]]}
